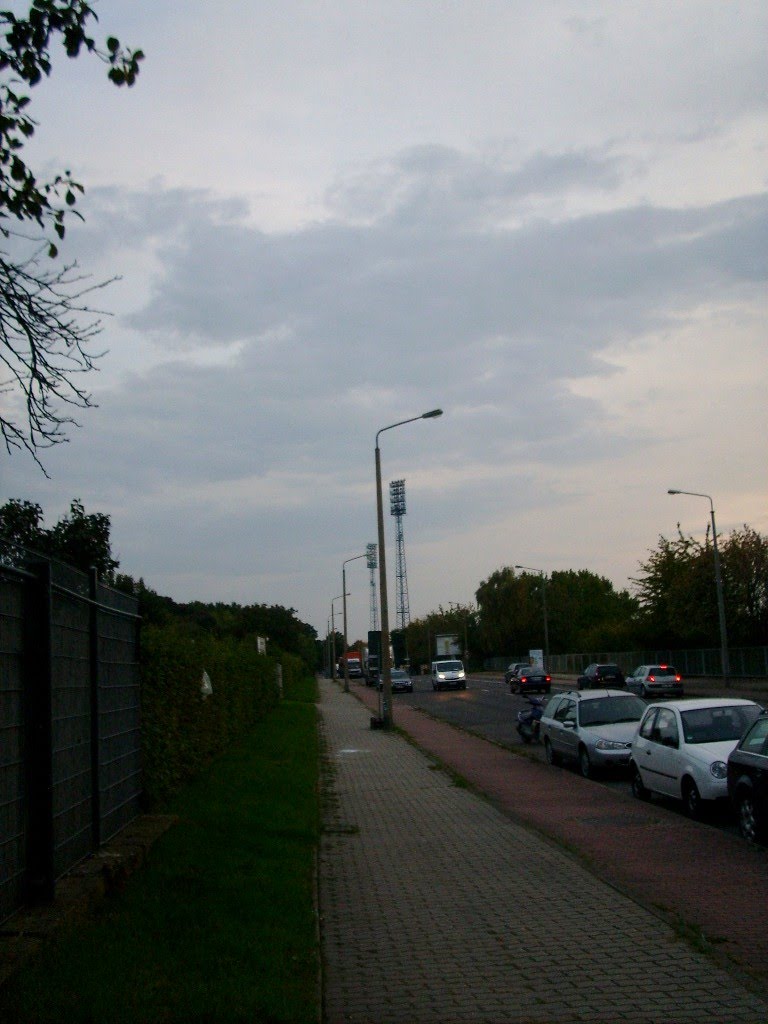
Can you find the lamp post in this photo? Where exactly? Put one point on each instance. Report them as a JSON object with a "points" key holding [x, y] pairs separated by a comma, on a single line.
{"points": [[344, 593], [544, 602], [333, 637], [724, 659], [386, 661]]}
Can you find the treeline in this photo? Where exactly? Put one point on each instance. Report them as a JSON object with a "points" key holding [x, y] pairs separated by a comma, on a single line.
{"points": [[204, 678], [672, 604], [83, 540]]}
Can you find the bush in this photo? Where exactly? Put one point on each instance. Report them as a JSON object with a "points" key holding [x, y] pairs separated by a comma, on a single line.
{"points": [[182, 727]]}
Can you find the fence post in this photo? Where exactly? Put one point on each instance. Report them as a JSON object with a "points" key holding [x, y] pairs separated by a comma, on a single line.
{"points": [[40, 881], [93, 640]]}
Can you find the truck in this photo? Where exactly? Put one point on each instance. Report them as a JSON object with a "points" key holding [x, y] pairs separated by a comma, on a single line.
{"points": [[354, 663]]}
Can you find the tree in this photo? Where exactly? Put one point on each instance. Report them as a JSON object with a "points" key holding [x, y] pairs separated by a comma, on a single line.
{"points": [[676, 590], [83, 541], [745, 570], [21, 523], [44, 344], [80, 539]]}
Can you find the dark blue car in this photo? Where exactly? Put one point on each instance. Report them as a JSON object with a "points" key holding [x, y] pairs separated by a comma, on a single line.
{"points": [[748, 780]]}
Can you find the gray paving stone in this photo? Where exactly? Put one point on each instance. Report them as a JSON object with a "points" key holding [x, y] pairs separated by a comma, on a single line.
{"points": [[436, 907]]}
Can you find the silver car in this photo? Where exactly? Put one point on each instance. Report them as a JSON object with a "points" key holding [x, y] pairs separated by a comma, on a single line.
{"points": [[595, 728], [655, 680]]}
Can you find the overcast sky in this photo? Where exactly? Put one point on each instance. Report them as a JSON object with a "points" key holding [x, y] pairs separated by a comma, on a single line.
{"points": [[546, 218]]}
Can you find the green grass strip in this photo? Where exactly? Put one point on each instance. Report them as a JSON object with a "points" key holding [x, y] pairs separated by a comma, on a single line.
{"points": [[220, 924]]}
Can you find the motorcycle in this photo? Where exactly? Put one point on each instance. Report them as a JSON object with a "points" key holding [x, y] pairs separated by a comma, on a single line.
{"points": [[528, 720]]}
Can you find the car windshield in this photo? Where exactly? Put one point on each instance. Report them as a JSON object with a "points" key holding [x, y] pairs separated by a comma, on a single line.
{"points": [[449, 666], [711, 725], [662, 670], [611, 710], [398, 673]]}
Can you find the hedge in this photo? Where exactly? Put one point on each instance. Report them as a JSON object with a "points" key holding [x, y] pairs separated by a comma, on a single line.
{"points": [[183, 726]]}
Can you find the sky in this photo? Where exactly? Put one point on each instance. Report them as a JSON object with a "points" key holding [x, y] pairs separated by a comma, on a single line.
{"points": [[547, 218]]}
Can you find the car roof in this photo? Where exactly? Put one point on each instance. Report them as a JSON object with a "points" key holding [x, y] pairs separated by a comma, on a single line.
{"points": [[592, 694], [700, 703]]}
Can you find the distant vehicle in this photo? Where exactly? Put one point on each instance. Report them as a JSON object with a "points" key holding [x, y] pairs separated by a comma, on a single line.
{"points": [[748, 781], [595, 729], [514, 668], [530, 680], [401, 681], [681, 749], [448, 675], [354, 662], [655, 681], [600, 676]]}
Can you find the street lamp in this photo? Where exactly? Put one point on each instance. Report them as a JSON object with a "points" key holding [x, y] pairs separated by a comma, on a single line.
{"points": [[333, 637], [544, 602], [344, 592], [386, 661], [724, 659]]}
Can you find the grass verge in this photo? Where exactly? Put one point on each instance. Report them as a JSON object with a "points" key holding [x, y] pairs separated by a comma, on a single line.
{"points": [[220, 925]]}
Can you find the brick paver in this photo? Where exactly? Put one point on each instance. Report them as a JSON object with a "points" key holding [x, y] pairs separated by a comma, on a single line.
{"points": [[438, 907]]}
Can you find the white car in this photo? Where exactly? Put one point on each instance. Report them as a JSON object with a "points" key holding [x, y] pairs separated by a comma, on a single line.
{"points": [[655, 680], [681, 748]]}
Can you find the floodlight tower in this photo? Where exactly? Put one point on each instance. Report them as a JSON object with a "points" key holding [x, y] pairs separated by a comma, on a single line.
{"points": [[397, 509], [373, 563]]}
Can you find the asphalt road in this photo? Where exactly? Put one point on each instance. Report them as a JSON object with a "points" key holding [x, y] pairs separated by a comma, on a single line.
{"points": [[487, 708]]}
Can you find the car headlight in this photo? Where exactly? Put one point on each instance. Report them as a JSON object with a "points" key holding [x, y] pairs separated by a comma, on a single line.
{"points": [[610, 745], [719, 769]]}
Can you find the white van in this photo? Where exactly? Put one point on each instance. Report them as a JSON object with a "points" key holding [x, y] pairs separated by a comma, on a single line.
{"points": [[448, 674]]}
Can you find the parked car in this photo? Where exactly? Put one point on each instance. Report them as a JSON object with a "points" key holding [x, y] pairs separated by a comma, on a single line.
{"points": [[530, 680], [682, 746], [595, 728], [514, 668], [601, 676], [448, 674], [655, 681], [401, 681], [748, 780]]}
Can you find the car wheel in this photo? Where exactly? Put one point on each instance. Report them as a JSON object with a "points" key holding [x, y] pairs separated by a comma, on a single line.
{"points": [[585, 765], [692, 799], [434, 686], [638, 789], [745, 809], [643, 691], [553, 758]]}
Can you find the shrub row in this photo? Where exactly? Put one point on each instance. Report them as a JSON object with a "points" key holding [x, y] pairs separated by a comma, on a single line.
{"points": [[184, 725]]}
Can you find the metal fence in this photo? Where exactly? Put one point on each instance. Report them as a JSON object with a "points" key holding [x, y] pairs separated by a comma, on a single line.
{"points": [[745, 662], [70, 739]]}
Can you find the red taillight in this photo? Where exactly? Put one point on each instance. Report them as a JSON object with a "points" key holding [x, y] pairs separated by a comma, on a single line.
{"points": [[677, 679], [663, 666], [651, 679], [549, 679]]}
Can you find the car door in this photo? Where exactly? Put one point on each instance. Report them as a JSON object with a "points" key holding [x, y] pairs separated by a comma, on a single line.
{"points": [[658, 752], [563, 731]]}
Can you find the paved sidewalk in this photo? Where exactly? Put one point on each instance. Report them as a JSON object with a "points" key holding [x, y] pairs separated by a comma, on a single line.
{"points": [[438, 907]]}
